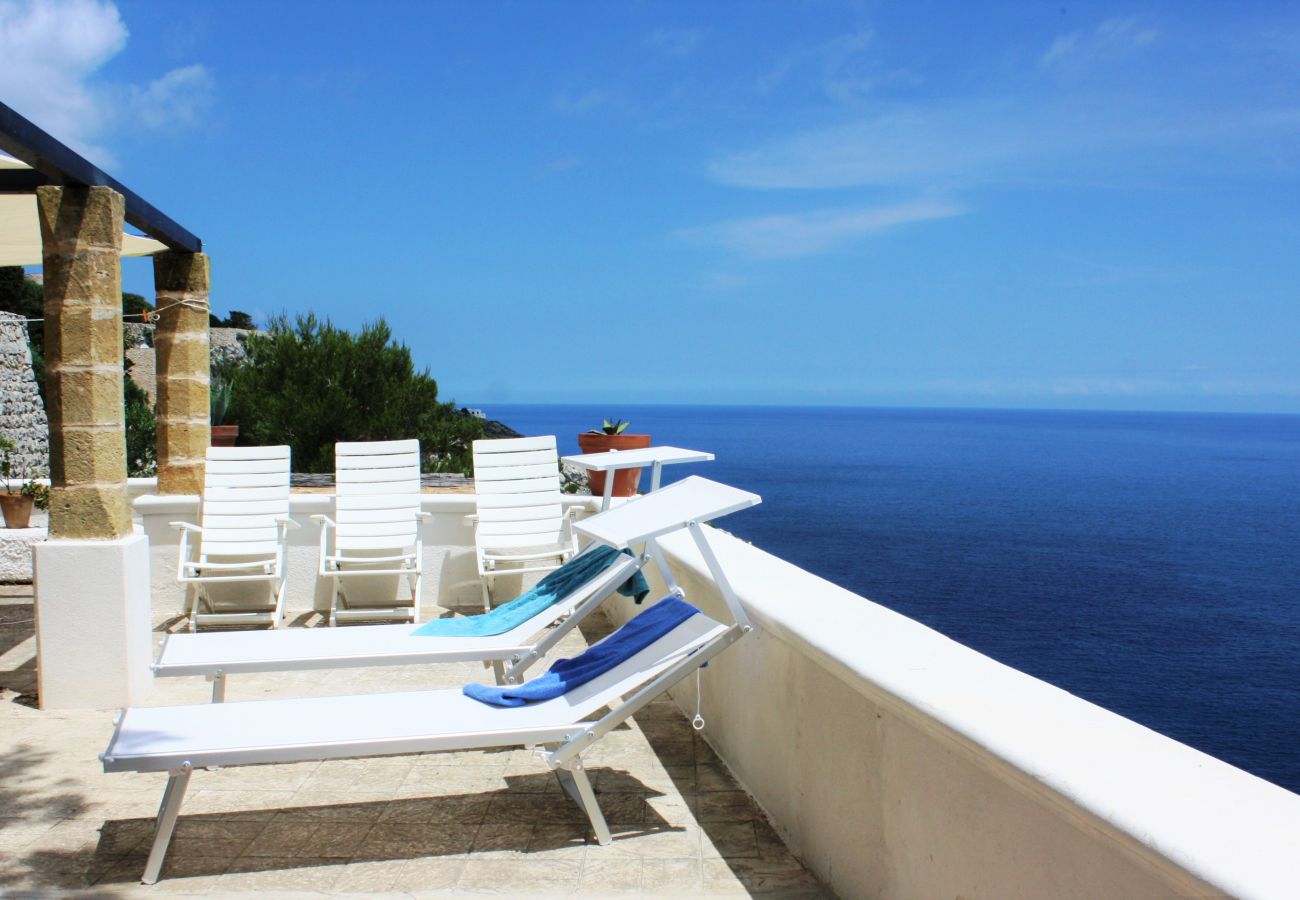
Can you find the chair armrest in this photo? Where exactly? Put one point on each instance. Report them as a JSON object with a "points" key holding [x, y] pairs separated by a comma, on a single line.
{"points": [[471, 521], [287, 522], [423, 515], [186, 526], [324, 521]]}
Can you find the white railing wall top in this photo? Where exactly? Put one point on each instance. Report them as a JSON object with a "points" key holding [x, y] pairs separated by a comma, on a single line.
{"points": [[1226, 827]]}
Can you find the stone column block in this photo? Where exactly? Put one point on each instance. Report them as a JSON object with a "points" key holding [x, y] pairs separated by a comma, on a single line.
{"points": [[81, 232], [181, 343]]}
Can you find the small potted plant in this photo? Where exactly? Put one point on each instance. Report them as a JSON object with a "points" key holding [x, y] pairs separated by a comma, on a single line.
{"points": [[612, 435], [224, 433], [17, 507]]}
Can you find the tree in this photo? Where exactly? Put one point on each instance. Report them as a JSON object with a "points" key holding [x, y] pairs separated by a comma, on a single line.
{"points": [[309, 384]]}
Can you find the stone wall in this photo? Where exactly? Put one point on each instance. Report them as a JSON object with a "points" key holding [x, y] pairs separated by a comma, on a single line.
{"points": [[22, 415], [226, 344]]}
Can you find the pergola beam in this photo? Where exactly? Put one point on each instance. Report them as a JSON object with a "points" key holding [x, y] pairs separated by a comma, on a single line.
{"points": [[55, 163]]}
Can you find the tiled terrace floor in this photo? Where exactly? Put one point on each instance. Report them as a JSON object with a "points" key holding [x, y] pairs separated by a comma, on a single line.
{"points": [[463, 823]]}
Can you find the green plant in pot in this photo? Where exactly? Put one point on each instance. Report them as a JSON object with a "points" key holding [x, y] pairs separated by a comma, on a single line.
{"points": [[224, 432], [612, 435], [17, 506]]}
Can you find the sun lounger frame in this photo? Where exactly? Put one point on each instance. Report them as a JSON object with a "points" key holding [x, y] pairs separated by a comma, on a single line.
{"points": [[624, 690], [510, 653]]}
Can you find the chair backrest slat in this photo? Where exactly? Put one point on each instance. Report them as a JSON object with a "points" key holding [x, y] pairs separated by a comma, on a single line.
{"points": [[377, 494], [517, 480], [245, 489]]}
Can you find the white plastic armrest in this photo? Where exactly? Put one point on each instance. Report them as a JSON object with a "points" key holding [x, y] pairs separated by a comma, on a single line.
{"points": [[423, 515], [287, 522], [324, 521], [186, 526], [471, 520]]}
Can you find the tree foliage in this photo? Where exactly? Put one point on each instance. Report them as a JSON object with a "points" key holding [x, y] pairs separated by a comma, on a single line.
{"points": [[308, 384], [141, 429]]}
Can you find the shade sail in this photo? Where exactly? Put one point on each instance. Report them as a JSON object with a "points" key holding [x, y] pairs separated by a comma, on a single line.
{"points": [[20, 232]]}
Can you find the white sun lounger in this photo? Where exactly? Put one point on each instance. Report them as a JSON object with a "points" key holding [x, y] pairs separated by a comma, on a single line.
{"points": [[180, 739], [217, 655]]}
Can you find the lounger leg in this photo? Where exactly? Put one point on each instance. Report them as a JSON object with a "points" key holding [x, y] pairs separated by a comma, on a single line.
{"points": [[499, 671], [485, 583], [218, 688], [574, 781], [166, 824]]}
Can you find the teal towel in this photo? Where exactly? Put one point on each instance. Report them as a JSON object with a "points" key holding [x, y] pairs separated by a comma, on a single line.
{"points": [[550, 590]]}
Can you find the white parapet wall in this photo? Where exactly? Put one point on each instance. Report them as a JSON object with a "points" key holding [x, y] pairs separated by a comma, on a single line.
{"points": [[898, 763], [450, 575]]}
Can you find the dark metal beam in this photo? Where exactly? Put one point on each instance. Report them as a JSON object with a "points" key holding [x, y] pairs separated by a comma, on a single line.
{"points": [[59, 164], [22, 181]]}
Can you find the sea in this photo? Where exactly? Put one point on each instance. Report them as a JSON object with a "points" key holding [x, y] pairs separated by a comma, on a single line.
{"points": [[1147, 562]]}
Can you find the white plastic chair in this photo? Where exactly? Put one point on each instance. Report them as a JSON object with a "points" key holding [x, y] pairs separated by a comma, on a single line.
{"points": [[374, 538], [521, 525], [233, 563]]}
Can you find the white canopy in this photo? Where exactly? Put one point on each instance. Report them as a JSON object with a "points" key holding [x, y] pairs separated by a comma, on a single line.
{"points": [[20, 232]]}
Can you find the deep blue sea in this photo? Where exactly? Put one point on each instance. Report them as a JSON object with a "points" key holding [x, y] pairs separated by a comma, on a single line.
{"points": [[1148, 562]]}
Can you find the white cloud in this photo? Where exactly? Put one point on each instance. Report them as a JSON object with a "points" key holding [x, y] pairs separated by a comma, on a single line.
{"points": [[180, 97], [848, 68], [581, 104], [1111, 38], [675, 41], [810, 233], [50, 52], [47, 52], [983, 140]]}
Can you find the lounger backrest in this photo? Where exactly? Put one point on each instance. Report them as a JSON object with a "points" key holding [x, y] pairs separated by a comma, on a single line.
{"points": [[377, 490], [641, 669], [245, 491], [517, 483]]}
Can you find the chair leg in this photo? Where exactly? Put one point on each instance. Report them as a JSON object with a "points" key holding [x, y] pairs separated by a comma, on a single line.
{"points": [[485, 582], [574, 781], [178, 781], [415, 595], [334, 601], [278, 618]]}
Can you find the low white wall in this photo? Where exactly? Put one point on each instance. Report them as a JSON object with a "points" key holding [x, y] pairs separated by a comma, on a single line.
{"points": [[898, 763], [450, 576]]}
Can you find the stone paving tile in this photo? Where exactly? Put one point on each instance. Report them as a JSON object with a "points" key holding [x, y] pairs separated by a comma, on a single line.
{"points": [[464, 823]]}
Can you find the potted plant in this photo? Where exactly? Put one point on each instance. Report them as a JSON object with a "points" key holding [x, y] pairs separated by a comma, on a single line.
{"points": [[612, 435], [17, 507], [224, 432]]}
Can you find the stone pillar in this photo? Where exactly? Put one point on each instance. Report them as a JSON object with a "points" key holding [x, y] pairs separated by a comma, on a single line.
{"points": [[182, 347], [92, 577], [81, 231]]}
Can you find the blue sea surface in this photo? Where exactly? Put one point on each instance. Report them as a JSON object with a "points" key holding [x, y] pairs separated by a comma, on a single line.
{"points": [[1148, 562]]}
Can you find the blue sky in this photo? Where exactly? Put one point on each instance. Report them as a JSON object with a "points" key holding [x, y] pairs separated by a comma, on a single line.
{"points": [[953, 204]]}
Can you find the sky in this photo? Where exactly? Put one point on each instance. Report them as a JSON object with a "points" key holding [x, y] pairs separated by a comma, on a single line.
{"points": [[1018, 204]]}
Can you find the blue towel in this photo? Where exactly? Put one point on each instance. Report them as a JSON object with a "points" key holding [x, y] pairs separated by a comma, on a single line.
{"points": [[567, 674], [556, 585]]}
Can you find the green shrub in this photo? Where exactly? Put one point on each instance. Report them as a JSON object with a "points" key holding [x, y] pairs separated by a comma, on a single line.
{"points": [[141, 429], [308, 384]]}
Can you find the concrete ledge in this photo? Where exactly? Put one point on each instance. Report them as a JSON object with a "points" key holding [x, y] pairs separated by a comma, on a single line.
{"points": [[16, 552], [897, 762]]}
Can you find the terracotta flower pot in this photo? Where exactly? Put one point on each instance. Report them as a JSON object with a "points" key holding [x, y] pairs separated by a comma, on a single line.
{"points": [[224, 435], [626, 481], [17, 510]]}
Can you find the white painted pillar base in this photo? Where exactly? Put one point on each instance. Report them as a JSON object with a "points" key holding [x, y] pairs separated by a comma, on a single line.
{"points": [[93, 622]]}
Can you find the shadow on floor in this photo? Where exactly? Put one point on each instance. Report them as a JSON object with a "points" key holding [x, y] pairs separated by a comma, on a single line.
{"points": [[529, 816]]}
